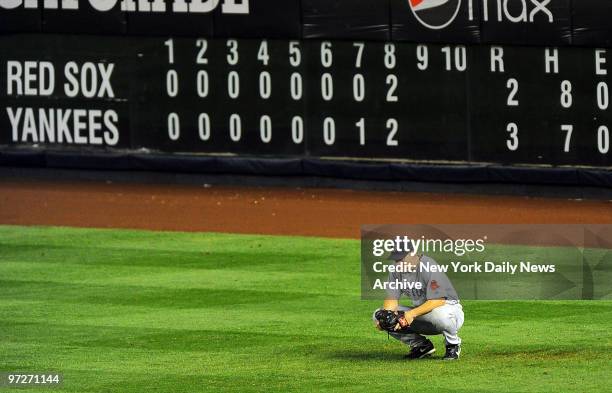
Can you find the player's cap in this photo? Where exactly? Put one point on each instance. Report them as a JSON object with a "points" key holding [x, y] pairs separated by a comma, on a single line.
{"points": [[398, 255]]}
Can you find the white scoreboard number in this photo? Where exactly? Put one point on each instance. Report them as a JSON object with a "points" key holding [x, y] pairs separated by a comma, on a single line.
{"points": [[578, 138], [346, 98]]}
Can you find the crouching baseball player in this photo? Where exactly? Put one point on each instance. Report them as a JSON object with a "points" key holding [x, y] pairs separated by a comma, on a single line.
{"points": [[435, 307]]}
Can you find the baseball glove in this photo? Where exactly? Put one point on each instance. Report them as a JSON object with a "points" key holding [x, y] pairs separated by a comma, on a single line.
{"points": [[389, 320]]}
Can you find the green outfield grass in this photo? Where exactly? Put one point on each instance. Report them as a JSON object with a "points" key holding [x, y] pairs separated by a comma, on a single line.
{"points": [[132, 311]]}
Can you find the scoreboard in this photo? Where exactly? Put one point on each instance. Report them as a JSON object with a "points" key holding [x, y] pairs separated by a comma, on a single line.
{"points": [[323, 98], [426, 90]]}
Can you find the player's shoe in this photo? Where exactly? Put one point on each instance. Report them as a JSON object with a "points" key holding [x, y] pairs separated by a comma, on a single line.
{"points": [[452, 352], [422, 351]]}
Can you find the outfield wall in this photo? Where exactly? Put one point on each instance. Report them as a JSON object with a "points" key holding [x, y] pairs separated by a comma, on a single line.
{"points": [[460, 91]]}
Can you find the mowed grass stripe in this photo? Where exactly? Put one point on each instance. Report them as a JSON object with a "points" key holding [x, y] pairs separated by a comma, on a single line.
{"points": [[166, 277], [132, 311]]}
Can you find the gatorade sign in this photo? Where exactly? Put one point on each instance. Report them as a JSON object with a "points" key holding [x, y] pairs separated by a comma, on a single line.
{"points": [[193, 6]]}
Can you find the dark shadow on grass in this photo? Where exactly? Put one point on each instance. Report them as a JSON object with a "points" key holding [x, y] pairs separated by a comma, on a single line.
{"points": [[361, 355]]}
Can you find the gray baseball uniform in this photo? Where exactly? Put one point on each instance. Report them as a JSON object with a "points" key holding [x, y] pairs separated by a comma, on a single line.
{"points": [[446, 319]]}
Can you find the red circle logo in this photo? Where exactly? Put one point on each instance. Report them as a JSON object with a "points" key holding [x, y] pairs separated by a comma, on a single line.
{"points": [[435, 14]]}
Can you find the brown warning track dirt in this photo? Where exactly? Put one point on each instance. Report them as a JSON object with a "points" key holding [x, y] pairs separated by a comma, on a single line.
{"points": [[283, 211]]}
